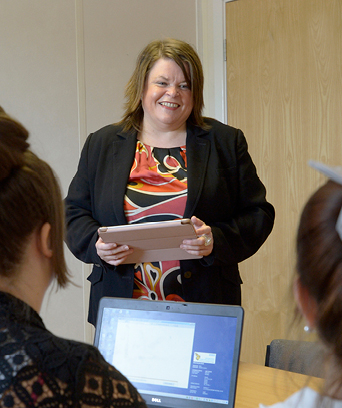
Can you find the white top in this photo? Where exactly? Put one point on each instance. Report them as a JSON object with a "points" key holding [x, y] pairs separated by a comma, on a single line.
{"points": [[306, 398]]}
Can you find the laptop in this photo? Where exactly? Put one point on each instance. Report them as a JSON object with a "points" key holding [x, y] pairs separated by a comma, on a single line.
{"points": [[178, 355]]}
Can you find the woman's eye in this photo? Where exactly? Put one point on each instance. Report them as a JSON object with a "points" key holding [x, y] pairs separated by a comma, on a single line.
{"points": [[184, 86], [162, 83]]}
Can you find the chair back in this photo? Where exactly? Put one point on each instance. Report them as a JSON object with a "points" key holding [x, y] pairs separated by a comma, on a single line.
{"points": [[304, 357]]}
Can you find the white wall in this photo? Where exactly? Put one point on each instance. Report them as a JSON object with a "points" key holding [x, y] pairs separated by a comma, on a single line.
{"points": [[38, 85], [64, 65]]}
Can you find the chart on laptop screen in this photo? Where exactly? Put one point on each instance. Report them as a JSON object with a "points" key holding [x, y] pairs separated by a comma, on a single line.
{"points": [[159, 352], [179, 355]]}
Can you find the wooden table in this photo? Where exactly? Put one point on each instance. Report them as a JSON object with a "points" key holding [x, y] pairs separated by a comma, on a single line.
{"points": [[258, 384]]}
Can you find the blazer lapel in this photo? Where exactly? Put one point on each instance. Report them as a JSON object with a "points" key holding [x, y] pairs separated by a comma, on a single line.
{"points": [[123, 156], [197, 152]]}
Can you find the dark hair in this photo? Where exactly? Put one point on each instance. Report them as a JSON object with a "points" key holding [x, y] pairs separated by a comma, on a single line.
{"points": [[29, 197], [319, 262], [185, 57]]}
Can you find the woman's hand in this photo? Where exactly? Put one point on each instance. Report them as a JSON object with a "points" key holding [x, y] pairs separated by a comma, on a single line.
{"points": [[204, 243], [111, 252]]}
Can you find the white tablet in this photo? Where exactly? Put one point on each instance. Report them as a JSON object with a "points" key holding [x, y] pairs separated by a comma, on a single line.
{"points": [[152, 241]]}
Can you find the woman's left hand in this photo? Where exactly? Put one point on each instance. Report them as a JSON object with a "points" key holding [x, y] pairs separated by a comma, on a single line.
{"points": [[204, 243]]}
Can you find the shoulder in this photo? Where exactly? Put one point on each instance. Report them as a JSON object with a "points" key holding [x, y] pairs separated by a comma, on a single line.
{"points": [[84, 369], [99, 143], [304, 398], [70, 373], [107, 133], [220, 133], [219, 127], [58, 356], [111, 129], [221, 136], [213, 128]]}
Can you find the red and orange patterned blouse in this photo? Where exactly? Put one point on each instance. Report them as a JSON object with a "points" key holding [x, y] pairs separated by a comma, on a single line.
{"points": [[157, 191]]}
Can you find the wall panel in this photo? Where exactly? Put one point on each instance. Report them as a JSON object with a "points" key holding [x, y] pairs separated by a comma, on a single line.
{"points": [[284, 87]]}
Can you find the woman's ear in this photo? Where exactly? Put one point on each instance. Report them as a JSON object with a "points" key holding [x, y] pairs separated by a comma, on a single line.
{"points": [[45, 240], [305, 302]]}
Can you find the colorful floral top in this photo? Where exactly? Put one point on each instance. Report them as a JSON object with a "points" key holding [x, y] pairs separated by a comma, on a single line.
{"points": [[157, 191]]}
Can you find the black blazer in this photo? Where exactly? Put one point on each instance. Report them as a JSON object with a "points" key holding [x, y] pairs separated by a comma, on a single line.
{"points": [[224, 191]]}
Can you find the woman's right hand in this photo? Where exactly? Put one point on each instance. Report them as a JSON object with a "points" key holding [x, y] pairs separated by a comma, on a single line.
{"points": [[111, 252]]}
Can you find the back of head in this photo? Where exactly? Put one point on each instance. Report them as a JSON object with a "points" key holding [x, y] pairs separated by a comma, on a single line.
{"points": [[29, 197], [319, 262], [186, 57]]}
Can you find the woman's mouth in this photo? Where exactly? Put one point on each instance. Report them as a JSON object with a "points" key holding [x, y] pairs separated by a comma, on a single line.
{"points": [[170, 104]]}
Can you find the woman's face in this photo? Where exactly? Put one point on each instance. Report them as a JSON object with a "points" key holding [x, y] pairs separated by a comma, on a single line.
{"points": [[167, 98]]}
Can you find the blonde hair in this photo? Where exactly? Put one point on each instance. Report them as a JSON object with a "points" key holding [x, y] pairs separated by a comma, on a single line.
{"points": [[184, 55], [29, 197]]}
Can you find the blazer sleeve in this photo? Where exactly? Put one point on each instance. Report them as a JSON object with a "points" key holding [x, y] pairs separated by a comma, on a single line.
{"points": [[81, 227], [252, 216]]}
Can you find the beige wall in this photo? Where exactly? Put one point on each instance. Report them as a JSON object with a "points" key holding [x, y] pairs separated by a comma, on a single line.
{"points": [[64, 65], [284, 91]]}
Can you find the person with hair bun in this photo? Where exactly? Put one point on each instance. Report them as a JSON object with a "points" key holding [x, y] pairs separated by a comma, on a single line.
{"points": [[318, 286], [165, 161], [37, 368]]}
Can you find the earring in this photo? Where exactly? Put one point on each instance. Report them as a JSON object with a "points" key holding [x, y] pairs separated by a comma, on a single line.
{"points": [[307, 329]]}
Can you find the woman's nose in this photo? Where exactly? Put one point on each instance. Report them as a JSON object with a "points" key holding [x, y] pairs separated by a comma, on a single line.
{"points": [[172, 90]]}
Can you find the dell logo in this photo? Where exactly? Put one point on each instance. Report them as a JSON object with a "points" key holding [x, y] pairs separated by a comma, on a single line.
{"points": [[156, 400]]}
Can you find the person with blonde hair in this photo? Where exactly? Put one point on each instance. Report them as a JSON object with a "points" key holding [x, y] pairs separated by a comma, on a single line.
{"points": [[318, 286], [37, 368], [165, 161]]}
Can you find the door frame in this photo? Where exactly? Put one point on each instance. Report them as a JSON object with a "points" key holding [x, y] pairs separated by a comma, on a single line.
{"points": [[211, 46]]}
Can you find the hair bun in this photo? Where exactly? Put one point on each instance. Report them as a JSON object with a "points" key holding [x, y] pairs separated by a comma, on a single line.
{"points": [[13, 144]]}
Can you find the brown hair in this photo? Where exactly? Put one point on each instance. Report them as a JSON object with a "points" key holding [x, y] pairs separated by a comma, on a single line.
{"points": [[185, 56], [319, 262], [29, 197]]}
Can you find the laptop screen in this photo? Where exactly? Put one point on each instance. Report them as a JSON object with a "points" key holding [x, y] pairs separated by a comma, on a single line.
{"points": [[175, 354]]}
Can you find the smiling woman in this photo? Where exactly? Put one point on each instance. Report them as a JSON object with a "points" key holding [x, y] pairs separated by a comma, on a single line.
{"points": [[167, 104], [165, 161]]}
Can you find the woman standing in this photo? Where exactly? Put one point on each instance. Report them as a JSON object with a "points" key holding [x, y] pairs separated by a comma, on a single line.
{"points": [[164, 161]]}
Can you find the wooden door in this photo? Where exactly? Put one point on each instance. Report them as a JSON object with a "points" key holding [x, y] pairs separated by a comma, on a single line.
{"points": [[284, 90]]}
